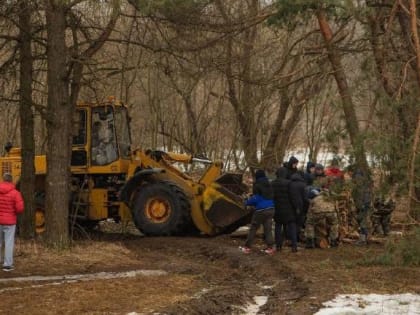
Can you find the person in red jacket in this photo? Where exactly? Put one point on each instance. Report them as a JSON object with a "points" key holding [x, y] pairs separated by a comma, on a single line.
{"points": [[333, 170], [334, 177], [11, 204]]}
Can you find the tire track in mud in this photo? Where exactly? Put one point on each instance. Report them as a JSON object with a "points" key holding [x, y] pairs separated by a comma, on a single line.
{"points": [[234, 279], [41, 281]]}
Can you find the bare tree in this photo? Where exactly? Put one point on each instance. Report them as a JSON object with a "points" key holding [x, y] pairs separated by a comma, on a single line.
{"points": [[27, 180], [414, 200], [347, 102], [65, 72]]}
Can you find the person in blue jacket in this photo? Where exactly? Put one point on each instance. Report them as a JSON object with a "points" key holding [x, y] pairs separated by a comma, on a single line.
{"points": [[262, 200]]}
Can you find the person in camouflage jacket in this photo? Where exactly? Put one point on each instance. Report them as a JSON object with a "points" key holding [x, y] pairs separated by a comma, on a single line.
{"points": [[321, 208]]}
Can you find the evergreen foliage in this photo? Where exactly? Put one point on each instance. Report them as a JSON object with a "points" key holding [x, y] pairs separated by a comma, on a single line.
{"points": [[404, 252], [171, 8], [288, 11]]}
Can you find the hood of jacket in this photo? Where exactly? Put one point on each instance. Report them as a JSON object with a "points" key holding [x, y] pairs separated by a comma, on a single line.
{"points": [[6, 187], [309, 165], [293, 160]]}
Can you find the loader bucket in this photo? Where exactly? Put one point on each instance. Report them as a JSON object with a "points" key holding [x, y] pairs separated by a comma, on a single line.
{"points": [[222, 202]]}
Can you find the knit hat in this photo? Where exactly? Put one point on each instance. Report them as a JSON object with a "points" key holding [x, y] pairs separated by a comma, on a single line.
{"points": [[293, 160], [7, 177], [259, 174], [313, 193]]}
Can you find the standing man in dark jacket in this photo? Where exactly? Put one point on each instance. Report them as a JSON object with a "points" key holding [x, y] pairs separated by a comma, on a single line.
{"points": [[319, 172], [291, 166], [310, 173], [11, 204], [262, 200], [298, 197], [285, 214]]}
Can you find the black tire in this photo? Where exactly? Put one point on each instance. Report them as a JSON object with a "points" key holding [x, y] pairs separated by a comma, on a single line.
{"points": [[39, 212], [174, 217]]}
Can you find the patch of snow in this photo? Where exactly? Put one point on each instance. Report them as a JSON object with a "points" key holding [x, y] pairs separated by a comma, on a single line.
{"points": [[396, 233], [253, 308], [372, 304]]}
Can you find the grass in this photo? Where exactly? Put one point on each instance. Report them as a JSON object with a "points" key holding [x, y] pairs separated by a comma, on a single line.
{"points": [[404, 252]]}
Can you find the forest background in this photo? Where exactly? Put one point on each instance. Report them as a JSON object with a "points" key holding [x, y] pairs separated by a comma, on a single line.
{"points": [[244, 81]]}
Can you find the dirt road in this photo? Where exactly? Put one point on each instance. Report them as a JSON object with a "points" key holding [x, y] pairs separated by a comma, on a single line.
{"points": [[194, 276]]}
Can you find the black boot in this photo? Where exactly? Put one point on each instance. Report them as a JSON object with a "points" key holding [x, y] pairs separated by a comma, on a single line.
{"points": [[310, 243], [334, 243], [362, 237]]}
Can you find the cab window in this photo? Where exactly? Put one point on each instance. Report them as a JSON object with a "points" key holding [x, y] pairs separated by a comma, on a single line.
{"points": [[104, 148], [79, 127]]}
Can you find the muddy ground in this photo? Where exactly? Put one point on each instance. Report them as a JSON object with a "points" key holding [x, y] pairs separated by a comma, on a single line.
{"points": [[203, 276]]}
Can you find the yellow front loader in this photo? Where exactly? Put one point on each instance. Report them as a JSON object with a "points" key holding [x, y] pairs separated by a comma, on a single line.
{"points": [[112, 181]]}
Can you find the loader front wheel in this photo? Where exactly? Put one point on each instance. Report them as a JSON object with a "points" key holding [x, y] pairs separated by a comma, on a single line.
{"points": [[162, 208]]}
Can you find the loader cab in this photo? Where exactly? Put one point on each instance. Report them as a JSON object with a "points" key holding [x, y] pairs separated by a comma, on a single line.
{"points": [[101, 157], [101, 135]]}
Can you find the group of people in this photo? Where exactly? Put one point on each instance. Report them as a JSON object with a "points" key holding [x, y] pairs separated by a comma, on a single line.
{"points": [[299, 202]]}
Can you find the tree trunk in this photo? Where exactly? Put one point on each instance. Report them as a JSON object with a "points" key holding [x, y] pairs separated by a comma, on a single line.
{"points": [[27, 179], [414, 200], [378, 50], [244, 115], [269, 157], [59, 113], [347, 102], [288, 129], [276, 146]]}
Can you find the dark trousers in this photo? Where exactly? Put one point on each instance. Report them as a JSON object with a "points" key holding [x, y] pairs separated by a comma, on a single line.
{"points": [[265, 218], [291, 231]]}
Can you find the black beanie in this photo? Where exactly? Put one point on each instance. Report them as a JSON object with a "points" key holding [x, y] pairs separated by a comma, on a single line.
{"points": [[293, 160]]}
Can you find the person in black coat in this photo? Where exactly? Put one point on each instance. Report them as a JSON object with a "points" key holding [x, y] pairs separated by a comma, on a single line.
{"points": [[284, 214], [310, 173], [291, 166], [299, 200]]}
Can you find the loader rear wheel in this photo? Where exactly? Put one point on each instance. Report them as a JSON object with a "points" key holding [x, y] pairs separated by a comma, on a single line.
{"points": [[40, 212], [162, 208]]}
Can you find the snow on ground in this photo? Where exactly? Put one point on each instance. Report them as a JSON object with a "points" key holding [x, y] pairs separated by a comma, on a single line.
{"points": [[372, 304], [253, 308]]}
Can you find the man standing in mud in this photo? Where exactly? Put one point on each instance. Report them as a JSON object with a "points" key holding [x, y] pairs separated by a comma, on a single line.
{"points": [[11, 204], [321, 210], [262, 200]]}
